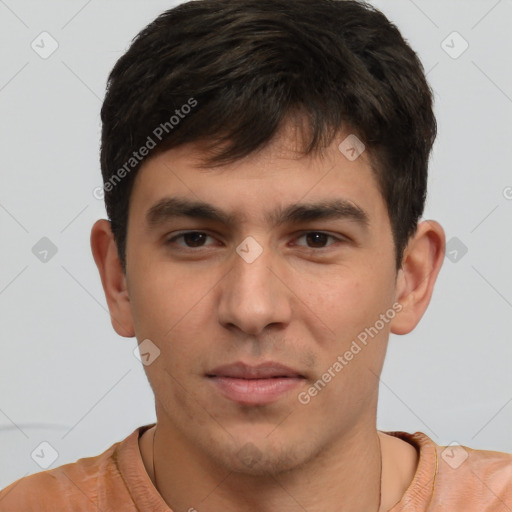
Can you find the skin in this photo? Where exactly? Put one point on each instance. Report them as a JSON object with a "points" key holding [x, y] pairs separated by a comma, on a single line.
{"points": [[301, 306]]}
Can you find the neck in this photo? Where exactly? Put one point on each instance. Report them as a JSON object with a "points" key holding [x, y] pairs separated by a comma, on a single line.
{"points": [[346, 476]]}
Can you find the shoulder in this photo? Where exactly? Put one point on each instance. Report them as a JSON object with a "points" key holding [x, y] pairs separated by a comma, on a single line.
{"points": [[479, 464], [457, 478], [474, 479], [75, 486]]}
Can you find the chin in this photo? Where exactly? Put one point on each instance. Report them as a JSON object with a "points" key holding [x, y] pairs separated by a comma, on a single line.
{"points": [[260, 458]]}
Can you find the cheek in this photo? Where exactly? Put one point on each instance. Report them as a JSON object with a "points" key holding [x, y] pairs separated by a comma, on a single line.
{"points": [[162, 297], [348, 302], [172, 307], [351, 305]]}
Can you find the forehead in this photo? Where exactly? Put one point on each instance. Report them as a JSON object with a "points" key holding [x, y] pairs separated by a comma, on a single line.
{"points": [[265, 185]]}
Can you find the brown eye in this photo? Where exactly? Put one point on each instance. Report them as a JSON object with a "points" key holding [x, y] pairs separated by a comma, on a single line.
{"points": [[194, 239], [317, 239], [191, 239]]}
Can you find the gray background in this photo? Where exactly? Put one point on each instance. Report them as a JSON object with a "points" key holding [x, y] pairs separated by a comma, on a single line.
{"points": [[68, 379]]}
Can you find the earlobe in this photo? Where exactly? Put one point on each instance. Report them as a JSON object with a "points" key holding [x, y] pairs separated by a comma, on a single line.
{"points": [[113, 279], [422, 262]]}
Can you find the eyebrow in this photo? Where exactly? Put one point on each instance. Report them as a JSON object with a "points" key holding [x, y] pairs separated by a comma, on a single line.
{"points": [[173, 207]]}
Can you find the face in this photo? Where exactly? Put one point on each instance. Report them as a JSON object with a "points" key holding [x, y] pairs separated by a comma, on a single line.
{"points": [[291, 264]]}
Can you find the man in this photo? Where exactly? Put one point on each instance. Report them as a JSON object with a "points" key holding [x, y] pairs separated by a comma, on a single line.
{"points": [[265, 168]]}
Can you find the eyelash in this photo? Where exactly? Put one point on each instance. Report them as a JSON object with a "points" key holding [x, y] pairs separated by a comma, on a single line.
{"points": [[181, 235]]}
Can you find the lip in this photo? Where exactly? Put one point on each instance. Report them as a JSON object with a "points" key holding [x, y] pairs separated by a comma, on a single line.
{"points": [[254, 385], [264, 370]]}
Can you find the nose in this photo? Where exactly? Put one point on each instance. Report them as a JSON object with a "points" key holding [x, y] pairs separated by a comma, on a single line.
{"points": [[253, 294]]}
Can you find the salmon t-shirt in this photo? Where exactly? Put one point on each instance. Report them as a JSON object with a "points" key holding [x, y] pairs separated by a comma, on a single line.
{"points": [[447, 479]]}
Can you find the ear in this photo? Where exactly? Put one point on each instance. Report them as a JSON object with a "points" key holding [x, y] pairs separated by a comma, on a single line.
{"points": [[113, 279], [422, 261]]}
